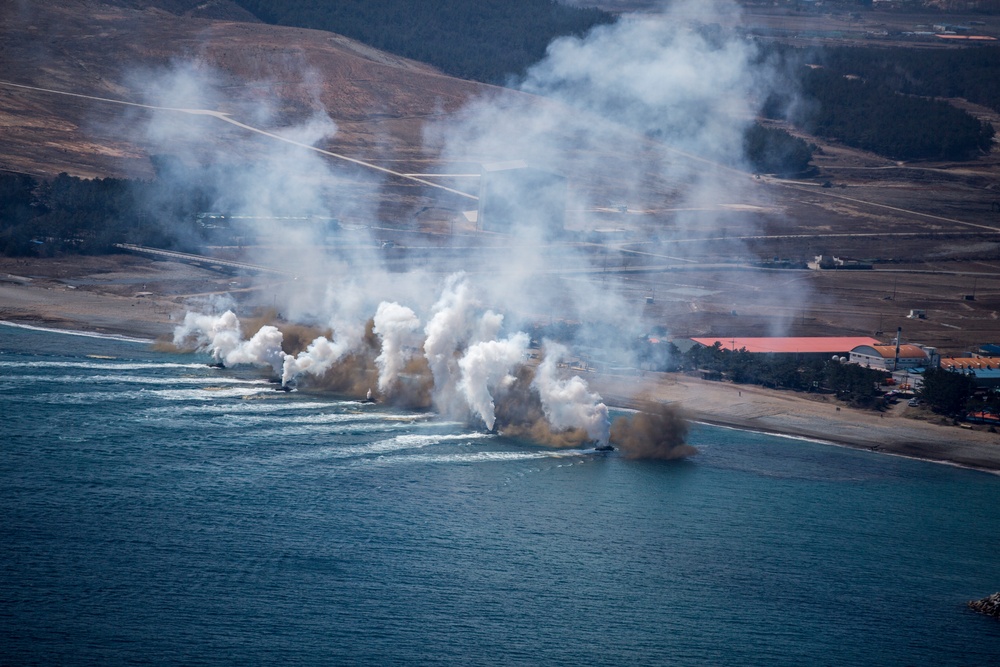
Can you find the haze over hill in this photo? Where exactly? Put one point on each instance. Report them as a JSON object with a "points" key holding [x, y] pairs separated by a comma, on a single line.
{"points": [[125, 53], [644, 118]]}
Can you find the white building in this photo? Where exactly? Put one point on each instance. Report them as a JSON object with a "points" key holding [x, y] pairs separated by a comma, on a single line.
{"points": [[883, 357]]}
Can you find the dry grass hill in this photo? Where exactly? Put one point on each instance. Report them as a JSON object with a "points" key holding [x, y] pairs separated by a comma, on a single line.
{"points": [[96, 48]]}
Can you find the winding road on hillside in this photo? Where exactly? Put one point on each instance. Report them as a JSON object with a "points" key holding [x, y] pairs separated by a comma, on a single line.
{"points": [[793, 185], [226, 117]]}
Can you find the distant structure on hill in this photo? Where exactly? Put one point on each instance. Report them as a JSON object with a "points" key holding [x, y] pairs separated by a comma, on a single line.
{"points": [[515, 195]]}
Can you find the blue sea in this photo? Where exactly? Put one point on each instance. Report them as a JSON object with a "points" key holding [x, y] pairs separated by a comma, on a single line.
{"points": [[158, 511]]}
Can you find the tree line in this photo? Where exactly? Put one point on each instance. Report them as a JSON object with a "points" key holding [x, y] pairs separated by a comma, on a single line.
{"points": [[970, 73], [42, 218], [854, 384], [878, 99], [775, 151], [949, 393]]}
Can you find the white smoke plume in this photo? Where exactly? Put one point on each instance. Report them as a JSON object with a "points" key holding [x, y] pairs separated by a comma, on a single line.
{"points": [[222, 337], [649, 110], [316, 360], [486, 366], [449, 328], [216, 334], [397, 326], [569, 403], [263, 348], [475, 364]]}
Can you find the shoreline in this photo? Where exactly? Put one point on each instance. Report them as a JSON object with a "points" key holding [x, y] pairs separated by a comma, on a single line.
{"points": [[818, 418], [846, 445], [47, 304]]}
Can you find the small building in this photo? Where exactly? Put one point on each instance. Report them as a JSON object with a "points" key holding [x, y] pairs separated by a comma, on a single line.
{"points": [[883, 357]]}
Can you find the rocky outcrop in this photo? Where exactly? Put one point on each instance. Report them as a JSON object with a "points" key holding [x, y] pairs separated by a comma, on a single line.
{"points": [[989, 605]]}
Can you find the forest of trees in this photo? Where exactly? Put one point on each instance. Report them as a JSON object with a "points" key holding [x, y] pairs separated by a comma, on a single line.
{"points": [[969, 73], [894, 111], [69, 214], [874, 118], [854, 384], [775, 151], [482, 40]]}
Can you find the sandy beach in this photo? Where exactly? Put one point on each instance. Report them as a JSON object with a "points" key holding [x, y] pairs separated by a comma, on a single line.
{"points": [[901, 430], [145, 299]]}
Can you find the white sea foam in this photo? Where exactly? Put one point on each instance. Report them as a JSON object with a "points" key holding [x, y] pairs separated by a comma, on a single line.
{"points": [[404, 442], [264, 408], [141, 379], [199, 394], [487, 457], [85, 334], [101, 366]]}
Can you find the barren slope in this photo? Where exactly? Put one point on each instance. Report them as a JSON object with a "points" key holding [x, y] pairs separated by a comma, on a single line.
{"points": [[102, 50]]}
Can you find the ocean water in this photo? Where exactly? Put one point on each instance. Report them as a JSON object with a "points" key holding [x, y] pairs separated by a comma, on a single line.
{"points": [[158, 511]]}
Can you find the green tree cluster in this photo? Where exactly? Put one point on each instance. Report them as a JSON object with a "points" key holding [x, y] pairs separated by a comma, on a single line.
{"points": [[483, 40], [881, 100], [969, 73], [775, 151], [851, 383], [69, 214], [947, 392], [874, 118]]}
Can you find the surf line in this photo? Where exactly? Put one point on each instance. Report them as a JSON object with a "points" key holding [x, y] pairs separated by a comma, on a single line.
{"points": [[86, 334], [857, 448]]}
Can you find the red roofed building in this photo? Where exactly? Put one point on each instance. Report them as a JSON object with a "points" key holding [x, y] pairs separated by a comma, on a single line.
{"points": [[825, 346]]}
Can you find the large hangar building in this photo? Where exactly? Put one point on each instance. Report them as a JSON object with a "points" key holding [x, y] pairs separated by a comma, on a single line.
{"points": [[799, 346]]}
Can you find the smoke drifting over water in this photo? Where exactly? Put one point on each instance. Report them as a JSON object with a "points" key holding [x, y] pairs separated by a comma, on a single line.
{"points": [[655, 432], [473, 365], [671, 95]]}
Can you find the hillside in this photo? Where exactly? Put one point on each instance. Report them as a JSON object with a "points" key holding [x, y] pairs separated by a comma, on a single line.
{"points": [[484, 40], [124, 51], [670, 219]]}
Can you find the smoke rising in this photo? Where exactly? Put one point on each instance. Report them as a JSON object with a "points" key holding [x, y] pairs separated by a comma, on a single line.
{"points": [[218, 335], [396, 326], [569, 403], [485, 367], [476, 368], [649, 111], [655, 432]]}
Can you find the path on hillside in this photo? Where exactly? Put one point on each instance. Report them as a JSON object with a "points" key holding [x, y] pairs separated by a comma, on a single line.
{"points": [[226, 117], [793, 185]]}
